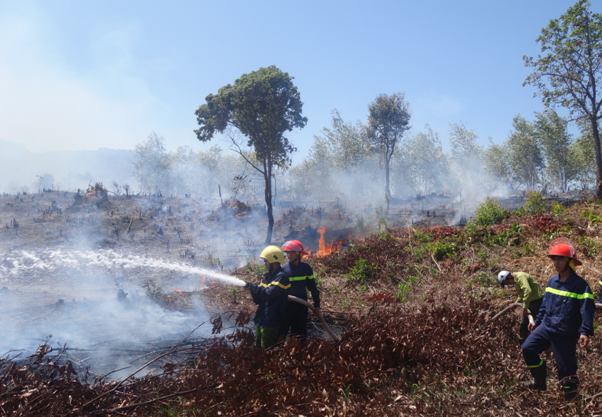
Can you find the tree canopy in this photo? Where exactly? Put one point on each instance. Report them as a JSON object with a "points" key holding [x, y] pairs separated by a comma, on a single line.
{"points": [[568, 71], [262, 106], [388, 119]]}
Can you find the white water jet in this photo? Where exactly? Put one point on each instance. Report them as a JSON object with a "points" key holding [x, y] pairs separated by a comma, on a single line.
{"points": [[30, 263]]}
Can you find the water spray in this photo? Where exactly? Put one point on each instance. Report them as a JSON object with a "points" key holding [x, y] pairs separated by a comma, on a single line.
{"points": [[46, 261]]}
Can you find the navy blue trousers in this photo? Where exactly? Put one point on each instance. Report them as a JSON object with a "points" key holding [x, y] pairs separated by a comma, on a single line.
{"points": [[565, 353], [297, 323]]}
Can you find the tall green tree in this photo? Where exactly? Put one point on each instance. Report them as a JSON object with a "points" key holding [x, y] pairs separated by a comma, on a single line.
{"points": [[466, 156], [583, 156], [568, 71], [552, 133], [524, 153], [151, 164], [424, 161], [345, 144], [262, 105], [496, 162], [388, 119]]}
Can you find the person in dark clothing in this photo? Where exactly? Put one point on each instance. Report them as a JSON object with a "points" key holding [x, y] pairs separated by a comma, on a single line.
{"points": [[301, 279], [530, 296], [272, 297], [565, 318]]}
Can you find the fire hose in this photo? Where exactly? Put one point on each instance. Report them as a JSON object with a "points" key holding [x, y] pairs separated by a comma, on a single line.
{"points": [[316, 312]]}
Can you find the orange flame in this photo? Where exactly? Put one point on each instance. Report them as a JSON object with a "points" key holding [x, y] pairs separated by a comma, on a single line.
{"points": [[174, 289], [327, 248]]}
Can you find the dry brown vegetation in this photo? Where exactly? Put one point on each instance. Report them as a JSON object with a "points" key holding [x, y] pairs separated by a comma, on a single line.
{"points": [[412, 299]]}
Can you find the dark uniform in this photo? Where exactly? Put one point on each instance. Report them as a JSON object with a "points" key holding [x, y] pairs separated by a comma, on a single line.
{"points": [[301, 279], [272, 313], [566, 312]]}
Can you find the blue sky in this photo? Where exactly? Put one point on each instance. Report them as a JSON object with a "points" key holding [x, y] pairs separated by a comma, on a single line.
{"points": [[91, 74]]}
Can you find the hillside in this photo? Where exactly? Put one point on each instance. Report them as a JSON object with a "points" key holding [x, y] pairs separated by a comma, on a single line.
{"points": [[408, 301]]}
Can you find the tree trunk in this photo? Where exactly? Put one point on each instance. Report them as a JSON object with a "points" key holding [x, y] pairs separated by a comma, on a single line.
{"points": [[596, 134], [267, 176], [387, 188]]}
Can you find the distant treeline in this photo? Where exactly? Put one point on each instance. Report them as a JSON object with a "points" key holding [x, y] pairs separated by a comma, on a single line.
{"points": [[342, 162]]}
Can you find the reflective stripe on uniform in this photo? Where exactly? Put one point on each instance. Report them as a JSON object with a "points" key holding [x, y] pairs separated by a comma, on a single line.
{"points": [[570, 294], [301, 278], [600, 283], [286, 287], [536, 366]]}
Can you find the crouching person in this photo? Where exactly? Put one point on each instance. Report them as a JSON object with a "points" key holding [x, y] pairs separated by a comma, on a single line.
{"points": [[565, 319], [530, 296], [272, 296]]}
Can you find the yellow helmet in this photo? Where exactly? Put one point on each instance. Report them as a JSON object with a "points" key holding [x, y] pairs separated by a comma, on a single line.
{"points": [[273, 254]]}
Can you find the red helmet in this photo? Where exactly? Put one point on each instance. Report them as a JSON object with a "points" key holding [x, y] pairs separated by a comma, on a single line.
{"points": [[293, 246], [566, 250]]}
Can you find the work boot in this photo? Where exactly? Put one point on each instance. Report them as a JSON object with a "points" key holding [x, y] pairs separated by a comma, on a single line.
{"points": [[570, 393], [539, 378]]}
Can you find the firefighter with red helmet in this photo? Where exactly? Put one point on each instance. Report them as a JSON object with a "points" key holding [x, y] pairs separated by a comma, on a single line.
{"points": [[565, 318], [301, 279]]}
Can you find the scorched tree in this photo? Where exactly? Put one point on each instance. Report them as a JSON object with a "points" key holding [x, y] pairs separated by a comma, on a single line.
{"points": [[262, 105]]}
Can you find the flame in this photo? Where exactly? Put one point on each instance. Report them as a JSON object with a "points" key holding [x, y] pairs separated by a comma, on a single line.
{"points": [[174, 289], [327, 248]]}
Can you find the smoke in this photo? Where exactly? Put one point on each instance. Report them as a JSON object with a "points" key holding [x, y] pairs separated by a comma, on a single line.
{"points": [[92, 300], [24, 171]]}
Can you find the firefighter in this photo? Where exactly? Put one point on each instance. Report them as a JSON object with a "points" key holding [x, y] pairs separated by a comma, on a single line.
{"points": [[272, 296], [301, 279], [565, 319], [530, 296]]}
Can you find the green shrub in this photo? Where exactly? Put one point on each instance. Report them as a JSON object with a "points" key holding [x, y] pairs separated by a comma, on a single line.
{"points": [[558, 208], [590, 247], [443, 249], [257, 270], [536, 204], [404, 289], [422, 237], [361, 271], [490, 212], [589, 214]]}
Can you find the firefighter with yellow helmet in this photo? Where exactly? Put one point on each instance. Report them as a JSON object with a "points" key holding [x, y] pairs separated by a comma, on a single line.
{"points": [[565, 318], [272, 297]]}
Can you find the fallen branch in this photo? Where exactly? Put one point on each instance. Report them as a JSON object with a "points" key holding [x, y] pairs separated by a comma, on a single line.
{"points": [[125, 407], [433, 258], [128, 231]]}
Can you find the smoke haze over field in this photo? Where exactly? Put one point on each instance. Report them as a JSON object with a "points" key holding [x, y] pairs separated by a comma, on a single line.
{"points": [[20, 169]]}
